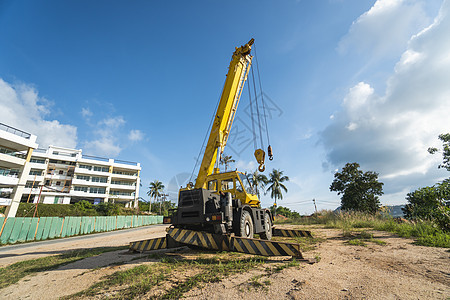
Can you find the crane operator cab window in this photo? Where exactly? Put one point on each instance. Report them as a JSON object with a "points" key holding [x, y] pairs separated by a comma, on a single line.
{"points": [[212, 185], [247, 186], [239, 188], [227, 184]]}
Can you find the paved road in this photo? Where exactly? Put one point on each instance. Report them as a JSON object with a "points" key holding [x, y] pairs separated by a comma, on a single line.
{"points": [[19, 252]]}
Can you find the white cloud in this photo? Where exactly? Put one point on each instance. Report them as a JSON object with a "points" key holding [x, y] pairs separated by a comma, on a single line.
{"points": [[390, 133], [86, 112], [113, 122], [135, 135], [385, 28], [21, 107], [246, 166], [105, 146], [107, 142]]}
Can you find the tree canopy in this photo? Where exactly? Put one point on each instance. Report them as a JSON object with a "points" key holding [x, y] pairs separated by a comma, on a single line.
{"points": [[276, 186], [359, 190], [445, 138], [258, 181]]}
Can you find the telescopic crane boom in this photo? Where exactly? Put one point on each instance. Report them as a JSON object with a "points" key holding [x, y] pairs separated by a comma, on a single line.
{"points": [[224, 202], [237, 75]]}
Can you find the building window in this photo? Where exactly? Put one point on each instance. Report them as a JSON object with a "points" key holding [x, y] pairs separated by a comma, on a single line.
{"points": [[118, 193], [58, 183], [82, 177], [99, 179], [38, 161], [61, 172], [9, 172], [86, 167], [29, 184], [96, 190], [36, 172], [101, 169], [81, 189]]}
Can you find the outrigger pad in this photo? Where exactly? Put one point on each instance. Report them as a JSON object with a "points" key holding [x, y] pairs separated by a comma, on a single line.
{"points": [[291, 232], [265, 248], [233, 243], [155, 244], [200, 239]]}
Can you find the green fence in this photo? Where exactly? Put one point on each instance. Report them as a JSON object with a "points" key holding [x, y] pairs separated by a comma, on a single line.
{"points": [[15, 230]]}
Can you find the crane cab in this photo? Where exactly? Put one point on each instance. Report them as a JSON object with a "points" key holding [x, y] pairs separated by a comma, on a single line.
{"points": [[235, 183]]}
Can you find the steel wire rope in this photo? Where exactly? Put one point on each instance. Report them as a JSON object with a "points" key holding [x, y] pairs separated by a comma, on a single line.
{"points": [[262, 96], [251, 115], [257, 109]]}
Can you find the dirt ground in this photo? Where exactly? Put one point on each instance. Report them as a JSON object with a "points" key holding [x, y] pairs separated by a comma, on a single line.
{"points": [[397, 270]]}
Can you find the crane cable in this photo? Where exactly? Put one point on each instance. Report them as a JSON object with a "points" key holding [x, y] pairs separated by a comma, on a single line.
{"points": [[257, 108], [262, 96], [251, 116]]}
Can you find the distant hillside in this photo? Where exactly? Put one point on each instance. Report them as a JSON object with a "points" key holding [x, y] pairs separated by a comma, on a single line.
{"points": [[394, 210]]}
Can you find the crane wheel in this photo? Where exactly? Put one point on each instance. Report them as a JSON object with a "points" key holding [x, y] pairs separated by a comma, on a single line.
{"points": [[246, 225], [267, 234]]}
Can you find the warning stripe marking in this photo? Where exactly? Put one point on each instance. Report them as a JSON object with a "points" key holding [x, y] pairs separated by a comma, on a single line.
{"points": [[152, 244], [291, 233], [238, 244]]}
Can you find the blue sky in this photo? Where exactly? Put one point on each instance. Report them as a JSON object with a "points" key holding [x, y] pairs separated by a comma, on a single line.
{"points": [[348, 80]]}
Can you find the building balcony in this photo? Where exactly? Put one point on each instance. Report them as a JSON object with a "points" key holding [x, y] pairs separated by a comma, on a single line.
{"points": [[57, 177], [35, 179], [33, 191], [9, 180], [123, 187], [79, 170], [10, 161], [14, 138], [120, 198], [38, 166], [123, 176], [88, 183], [5, 201]]}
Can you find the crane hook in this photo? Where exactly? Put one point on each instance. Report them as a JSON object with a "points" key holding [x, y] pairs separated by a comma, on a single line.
{"points": [[269, 152], [259, 155]]}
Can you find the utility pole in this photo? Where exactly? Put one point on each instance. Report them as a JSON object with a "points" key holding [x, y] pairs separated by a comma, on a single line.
{"points": [[315, 207], [163, 198]]}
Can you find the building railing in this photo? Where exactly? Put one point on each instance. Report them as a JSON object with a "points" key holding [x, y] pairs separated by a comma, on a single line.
{"points": [[40, 150], [15, 131], [126, 162], [94, 157]]}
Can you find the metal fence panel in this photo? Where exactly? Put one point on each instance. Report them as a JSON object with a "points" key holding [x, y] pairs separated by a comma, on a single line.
{"points": [[24, 230], [40, 229], [32, 230]]}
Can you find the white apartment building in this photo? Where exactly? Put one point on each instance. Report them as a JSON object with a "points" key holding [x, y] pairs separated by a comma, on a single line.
{"points": [[16, 148], [59, 175]]}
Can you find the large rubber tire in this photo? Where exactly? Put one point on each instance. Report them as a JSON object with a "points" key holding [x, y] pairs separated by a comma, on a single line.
{"points": [[246, 225], [267, 234]]}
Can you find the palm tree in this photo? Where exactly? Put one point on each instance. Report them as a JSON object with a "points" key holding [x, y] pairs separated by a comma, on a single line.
{"points": [[225, 160], [154, 190], [276, 185], [258, 180]]}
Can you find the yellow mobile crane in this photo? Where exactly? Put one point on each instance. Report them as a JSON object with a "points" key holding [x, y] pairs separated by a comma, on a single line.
{"points": [[221, 211], [224, 202]]}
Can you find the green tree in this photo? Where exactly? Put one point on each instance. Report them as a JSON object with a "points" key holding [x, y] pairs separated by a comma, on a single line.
{"points": [[258, 180], [285, 211], [445, 138], [430, 203], [155, 190], [276, 186], [359, 190], [226, 160]]}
